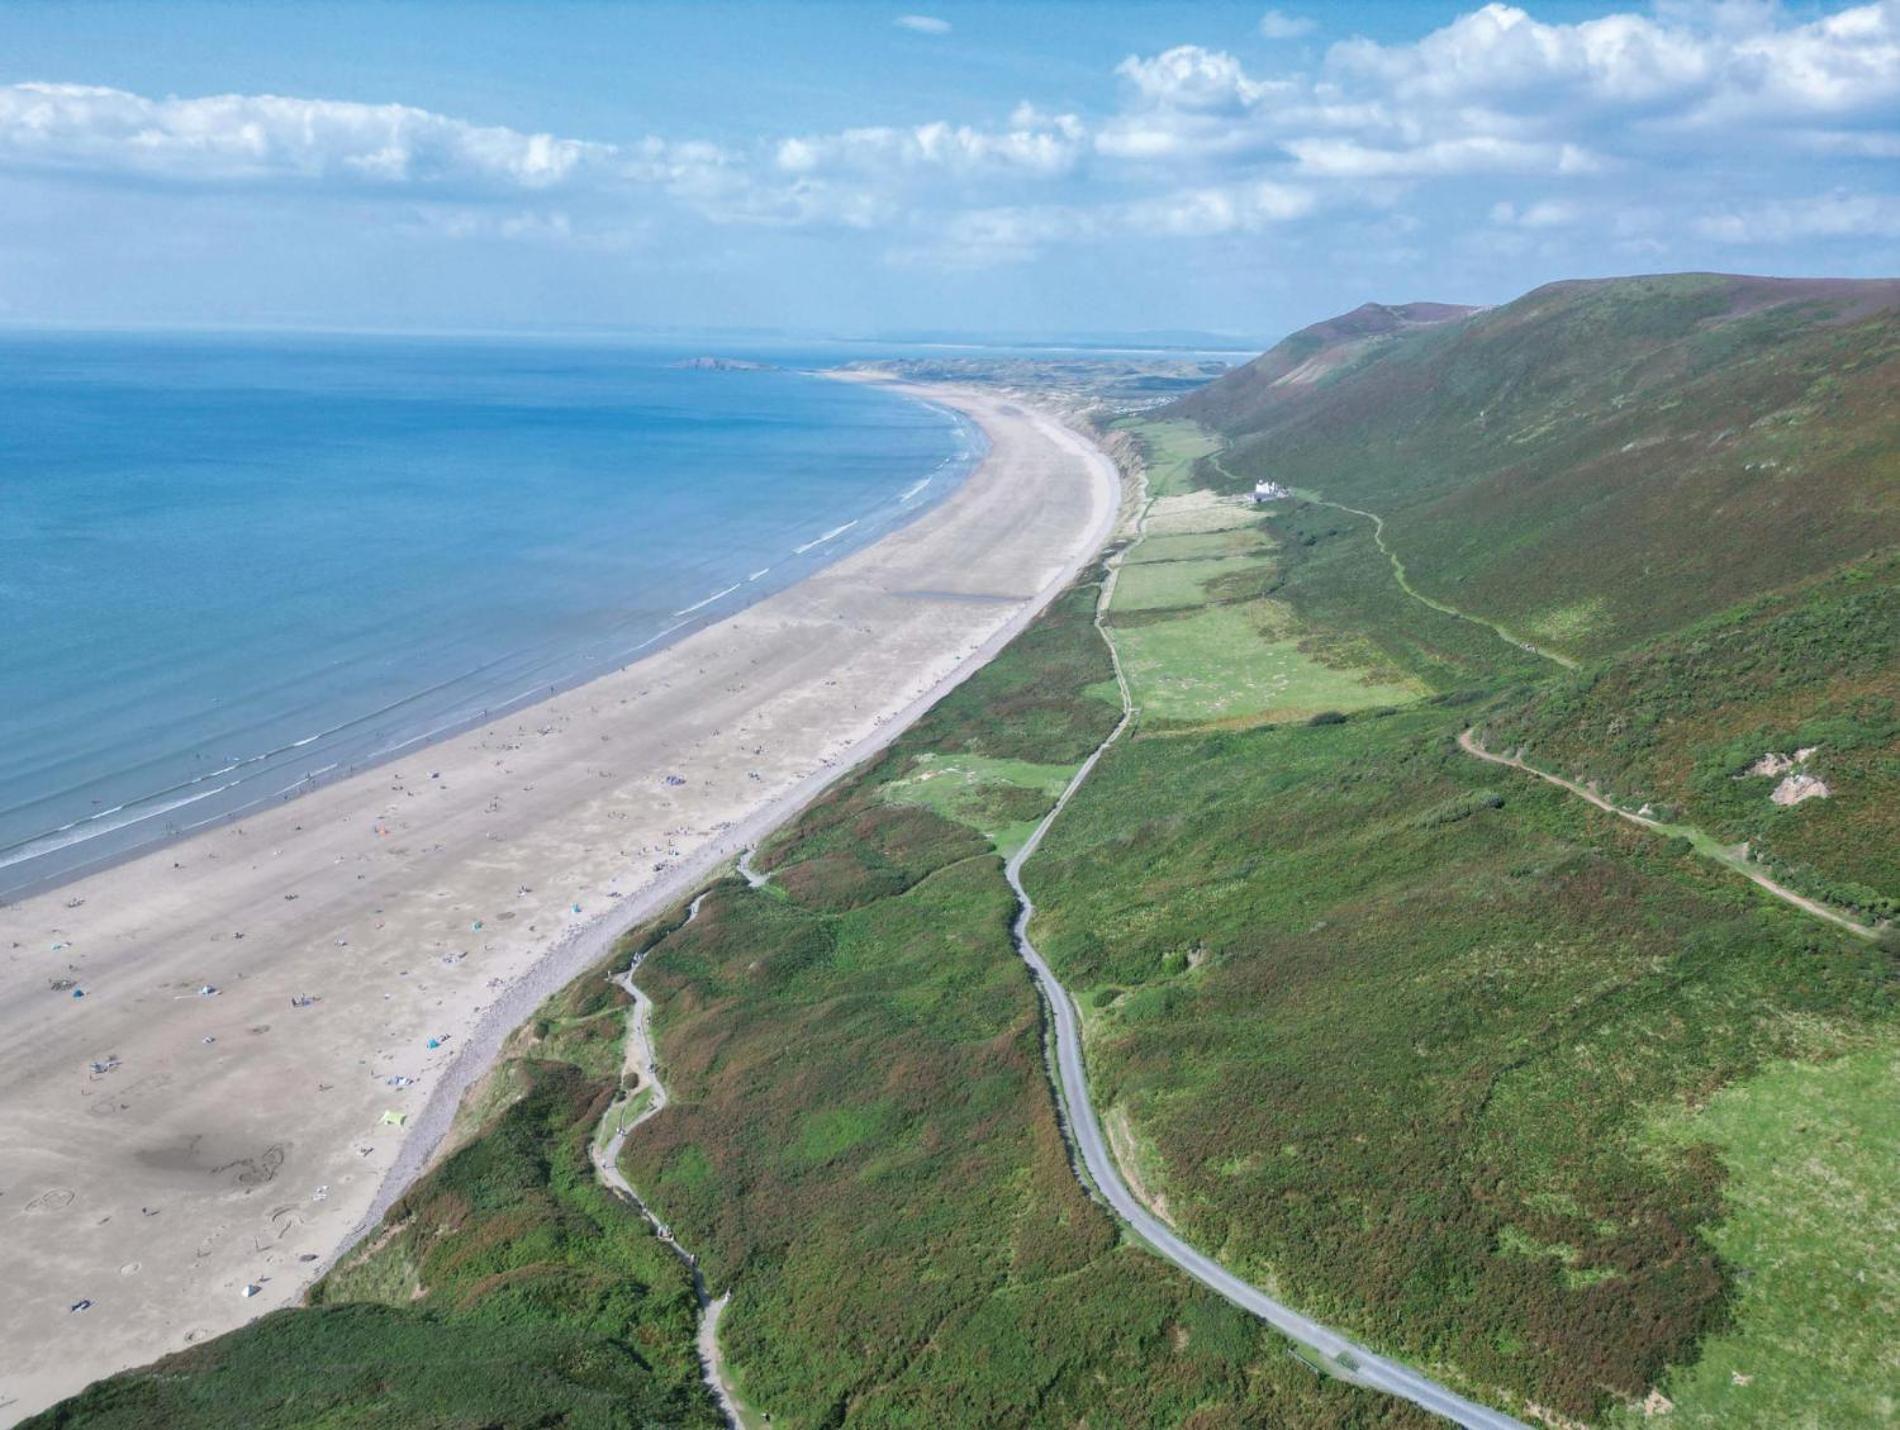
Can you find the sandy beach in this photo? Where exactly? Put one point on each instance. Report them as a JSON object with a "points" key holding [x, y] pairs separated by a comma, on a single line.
{"points": [[191, 1127]]}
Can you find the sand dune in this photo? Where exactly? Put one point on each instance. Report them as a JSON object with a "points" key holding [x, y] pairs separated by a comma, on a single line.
{"points": [[232, 1139]]}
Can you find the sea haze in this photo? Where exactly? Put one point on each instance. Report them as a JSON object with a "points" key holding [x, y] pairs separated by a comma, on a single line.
{"points": [[231, 567]]}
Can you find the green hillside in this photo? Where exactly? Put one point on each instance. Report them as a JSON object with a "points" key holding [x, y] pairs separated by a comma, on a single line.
{"points": [[1597, 462]]}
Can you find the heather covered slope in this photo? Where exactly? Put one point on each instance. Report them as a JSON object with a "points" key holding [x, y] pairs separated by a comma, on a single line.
{"points": [[1719, 725], [1598, 462]]}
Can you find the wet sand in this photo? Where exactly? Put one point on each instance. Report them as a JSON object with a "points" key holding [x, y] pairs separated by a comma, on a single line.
{"points": [[229, 1136]]}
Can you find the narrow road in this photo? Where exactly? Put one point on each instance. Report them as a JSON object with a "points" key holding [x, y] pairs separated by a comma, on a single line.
{"points": [[1349, 1360], [1468, 742], [641, 1063]]}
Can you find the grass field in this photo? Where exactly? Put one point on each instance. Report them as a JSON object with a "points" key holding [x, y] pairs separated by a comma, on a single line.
{"points": [[1169, 451], [1813, 1217], [1238, 663], [1202, 644], [1201, 513], [1003, 799], [1242, 540], [1154, 585]]}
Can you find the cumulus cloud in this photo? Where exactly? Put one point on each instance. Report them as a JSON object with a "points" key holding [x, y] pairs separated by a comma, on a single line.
{"points": [[1189, 143], [1697, 65], [1192, 78], [236, 137], [1034, 144], [333, 145]]}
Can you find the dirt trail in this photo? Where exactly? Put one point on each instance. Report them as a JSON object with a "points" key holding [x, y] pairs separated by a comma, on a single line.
{"points": [[1468, 742], [641, 1065], [1444, 608], [753, 878]]}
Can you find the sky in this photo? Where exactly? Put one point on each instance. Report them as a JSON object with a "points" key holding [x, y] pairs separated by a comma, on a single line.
{"points": [[1035, 167]]}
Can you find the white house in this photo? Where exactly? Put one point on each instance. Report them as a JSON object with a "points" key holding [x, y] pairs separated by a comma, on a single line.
{"points": [[1265, 491]]}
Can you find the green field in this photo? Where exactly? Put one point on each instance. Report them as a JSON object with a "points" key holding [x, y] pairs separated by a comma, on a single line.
{"points": [[1813, 1216], [1238, 663], [1201, 644], [1169, 450], [1173, 585], [1004, 799], [1244, 540]]}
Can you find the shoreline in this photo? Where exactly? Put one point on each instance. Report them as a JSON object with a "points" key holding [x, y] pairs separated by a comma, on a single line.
{"points": [[697, 617], [1040, 484]]}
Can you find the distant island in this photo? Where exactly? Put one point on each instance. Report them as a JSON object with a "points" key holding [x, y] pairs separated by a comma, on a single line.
{"points": [[721, 364]]}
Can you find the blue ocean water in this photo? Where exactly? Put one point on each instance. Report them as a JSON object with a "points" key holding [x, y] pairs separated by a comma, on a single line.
{"points": [[233, 566]]}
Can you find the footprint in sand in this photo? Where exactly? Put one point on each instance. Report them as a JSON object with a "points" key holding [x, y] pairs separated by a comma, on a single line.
{"points": [[54, 1199], [131, 1268]]}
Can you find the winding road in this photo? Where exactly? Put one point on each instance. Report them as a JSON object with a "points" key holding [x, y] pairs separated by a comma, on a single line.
{"points": [[1347, 1358], [641, 1063]]}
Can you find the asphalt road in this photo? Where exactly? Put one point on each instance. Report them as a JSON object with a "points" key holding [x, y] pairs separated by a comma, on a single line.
{"points": [[1351, 1361]]}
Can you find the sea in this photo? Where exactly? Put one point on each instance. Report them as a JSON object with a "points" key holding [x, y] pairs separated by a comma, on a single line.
{"points": [[233, 567]]}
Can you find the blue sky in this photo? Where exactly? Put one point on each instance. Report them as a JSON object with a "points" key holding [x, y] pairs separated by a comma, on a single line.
{"points": [[855, 168]]}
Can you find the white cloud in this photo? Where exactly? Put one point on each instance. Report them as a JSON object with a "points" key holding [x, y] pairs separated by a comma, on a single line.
{"points": [[1278, 25], [1214, 211], [1694, 64], [1191, 143], [1836, 215], [1499, 53], [923, 24], [1036, 145], [1472, 154], [1192, 78], [1549, 213], [235, 137]]}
